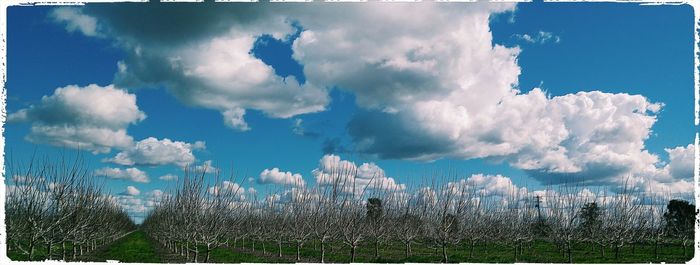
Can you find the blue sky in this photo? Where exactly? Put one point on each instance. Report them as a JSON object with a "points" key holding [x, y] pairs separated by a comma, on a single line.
{"points": [[563, 49]]}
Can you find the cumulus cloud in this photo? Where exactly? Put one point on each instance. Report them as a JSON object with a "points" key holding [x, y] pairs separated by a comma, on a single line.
{"points": [[587, 136], [156, 193], [130, 174], [275, 176], [75, 20], [430, 84], [92, 118], [154, 152], [134, 205], [168, 177], [206, 166], [294, 194], [425, 196], [228, 188], [541, 37], [346, 174], [681, 162], [487, 185], [252, 191], [131, 191], [207, 62]]}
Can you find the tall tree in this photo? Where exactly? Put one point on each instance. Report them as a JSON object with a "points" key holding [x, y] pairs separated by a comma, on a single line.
{"points": [[680, 218]]}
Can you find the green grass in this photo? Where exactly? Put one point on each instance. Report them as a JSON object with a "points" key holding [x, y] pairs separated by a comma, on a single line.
{"points": [[227, 255], [138, 247], [540, 252], [135, 247]]}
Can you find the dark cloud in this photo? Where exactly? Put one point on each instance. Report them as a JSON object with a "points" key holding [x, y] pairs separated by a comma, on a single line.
{"points": [[594, 174], [389, 136], [333, 146]]}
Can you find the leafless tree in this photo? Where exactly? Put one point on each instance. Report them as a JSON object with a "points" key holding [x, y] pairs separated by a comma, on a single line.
{"points": [[58, 202]]}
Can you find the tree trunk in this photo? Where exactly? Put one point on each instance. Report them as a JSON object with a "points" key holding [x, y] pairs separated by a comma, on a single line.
{"points": [[656, 249], [568, 252], [471, 250], [196, 253], [515, 253], [376, 248], [63, 250], [406, 252], [74, 251], [298, 250], [444, 253], [602, 251], [279, 248], [617, 252], [684, 251], [352, 253], [323, 251], [521, 249], [31, 250], [263, 246], [48, 250], [206, 258], [187, 251]]}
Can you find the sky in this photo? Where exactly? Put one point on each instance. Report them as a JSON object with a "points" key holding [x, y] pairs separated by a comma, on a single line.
{"points": [[503, 95]]}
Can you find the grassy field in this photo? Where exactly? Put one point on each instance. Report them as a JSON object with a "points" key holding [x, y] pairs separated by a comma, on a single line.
{"points": [[135, 247], [541, 252], [138, 247]]}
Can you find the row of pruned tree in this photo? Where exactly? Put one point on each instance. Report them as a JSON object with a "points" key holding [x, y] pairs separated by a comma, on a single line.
{"points": [[197, 217], [59, 208]]}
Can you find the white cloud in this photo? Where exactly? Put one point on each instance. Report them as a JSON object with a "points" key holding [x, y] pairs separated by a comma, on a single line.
{"points": [[168, 177], [206, 166], [220, 73], [541, 37], [131, 174], [333, 170], [208, 63], [591, 136], [92, 118], [156, 193], [430, 82], [154, 152], [131, 191], [272, 198], [228, 188], [298, 128], [275, 176], [487, 185], [132, 204], [681, 162], [252, 191], [424, 53], [425, 196], [295, 194], [75, 20]]}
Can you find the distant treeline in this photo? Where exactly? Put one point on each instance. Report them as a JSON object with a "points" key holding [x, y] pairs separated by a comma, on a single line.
{"points": [[197, 217]]}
